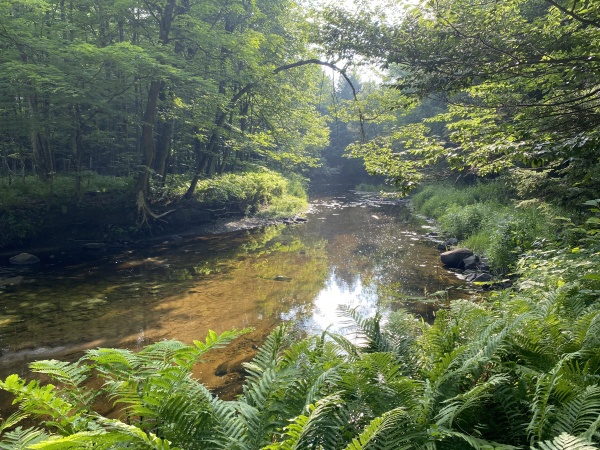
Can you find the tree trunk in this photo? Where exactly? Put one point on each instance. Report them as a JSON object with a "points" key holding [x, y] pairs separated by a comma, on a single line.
{"points": [[148, 151], [163, 149], [42, 155]]}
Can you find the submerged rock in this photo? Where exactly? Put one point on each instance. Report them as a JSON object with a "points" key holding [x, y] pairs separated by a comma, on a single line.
{"points": [[11, 281], [24, 259], [282, 278], [454, 258], [94, 247]]}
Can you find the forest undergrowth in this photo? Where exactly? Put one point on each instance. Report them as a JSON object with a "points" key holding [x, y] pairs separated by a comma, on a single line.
{"points": [[31, 209]]}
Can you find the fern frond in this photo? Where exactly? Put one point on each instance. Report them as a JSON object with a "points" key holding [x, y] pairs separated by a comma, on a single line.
{"points": [[12, 420], [393, 429], [580, 415], [268, 354], [565, 441], [22, 438], [137, 436], [325, 381], [322, 428], [71, 375], [541, 406], [44, 401], [351, 350], [115, 435], [457, 406], [474, 442], [367, 329]]}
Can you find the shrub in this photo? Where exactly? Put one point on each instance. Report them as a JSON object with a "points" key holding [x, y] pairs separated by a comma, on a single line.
{"points": [[526, 228], [463, 221], [485, 218], [264, 192]]}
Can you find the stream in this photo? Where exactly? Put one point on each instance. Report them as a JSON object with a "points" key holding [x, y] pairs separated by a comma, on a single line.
{"points": [[355, 251]]}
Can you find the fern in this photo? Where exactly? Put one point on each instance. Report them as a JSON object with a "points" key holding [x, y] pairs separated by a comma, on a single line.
{"points": [[12, 420], [580, 415], [71, 376], [457, 406], [20, 438], [322, 428], [565, 442], [44, 401], [392, 430]]}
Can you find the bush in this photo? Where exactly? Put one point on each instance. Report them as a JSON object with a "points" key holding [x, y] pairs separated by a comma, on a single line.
{"points": [[514, 233], [265, 193], [464, 221]]}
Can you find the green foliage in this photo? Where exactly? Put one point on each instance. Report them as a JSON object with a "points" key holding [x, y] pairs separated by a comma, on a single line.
{"points": [[520, 370], [518, 78], [434, 199], [464, 221], [263, 192], [565, 442], [485, 218], [30, 189]]}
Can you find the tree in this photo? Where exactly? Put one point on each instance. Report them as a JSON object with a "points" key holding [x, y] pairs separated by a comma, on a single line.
{"points": [[520, 76], [156, 87]]}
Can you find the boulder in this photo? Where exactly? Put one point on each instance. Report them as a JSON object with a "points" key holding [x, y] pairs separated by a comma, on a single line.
{"points": [[454, 258], [451, 242], [24, 259], [482, 278], [470, 262]]}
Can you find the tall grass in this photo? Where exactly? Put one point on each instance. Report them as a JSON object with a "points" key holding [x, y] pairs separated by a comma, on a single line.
{"points": [[485, 218]]}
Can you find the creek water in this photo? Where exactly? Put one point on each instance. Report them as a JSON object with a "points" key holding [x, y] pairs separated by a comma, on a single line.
{"points": [[352, 251]]}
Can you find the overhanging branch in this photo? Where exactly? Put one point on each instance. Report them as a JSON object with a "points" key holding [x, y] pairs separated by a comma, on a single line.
{"points": [[338, 70], [572, 14]]}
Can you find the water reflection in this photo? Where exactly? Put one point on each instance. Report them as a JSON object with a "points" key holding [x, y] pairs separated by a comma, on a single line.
{"points": [[352, 252]]}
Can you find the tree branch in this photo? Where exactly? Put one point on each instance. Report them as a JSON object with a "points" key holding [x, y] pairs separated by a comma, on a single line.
{"points": [[338, 70], [573, 14]]}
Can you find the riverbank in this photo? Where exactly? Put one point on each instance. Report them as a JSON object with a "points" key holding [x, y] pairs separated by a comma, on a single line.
{"points": [[490, 219], [32, 219]]}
